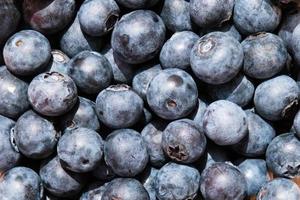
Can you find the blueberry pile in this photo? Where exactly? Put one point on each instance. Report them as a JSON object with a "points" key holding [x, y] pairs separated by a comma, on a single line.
{"points": [[150, 100]]}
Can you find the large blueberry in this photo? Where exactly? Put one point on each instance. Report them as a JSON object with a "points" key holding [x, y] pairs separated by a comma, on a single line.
{"points": [[216, 58], [90, 71], [183, 142], [172, 94], [52, 94], [35, 136], [21, 183], [222, 181], [125, 152], [125, 189], [264, 55], [58, 62], [225, 123], [276, 98], [118, 106], [282, 155], [98, 17], [27, 53], [14, 100], [138, 36], [175, 181], [137, 4], [256, 16], [176, 51], [208, 13], [176, 15]]}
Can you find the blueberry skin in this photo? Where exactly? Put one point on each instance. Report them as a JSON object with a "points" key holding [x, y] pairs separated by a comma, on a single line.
{"points": [[214, 154], [97, 17], [176, 51], [10, 16], [256, 174], [35, 136], [207, 13], [260, 134], [95, 191], [256, 16], [142, 79], [223, 181], [172, 94], [58, 62], [103, 172], [122, 72], [118, 106], [175, 181], [296, 124], [227, 28], [149, 182], [125, 152], [52, 94], [282, 157], [183, 142], [14, 100], [27, 53], [279, 188], [21, 183], [125, 189], [216, 58], [229, 133], [264, 55], [152, 136], [58, 181], [9, 157], [176, 15], [296, 44], [276, 98], [138, 36], [137, 4], [90, 71], [197, 115], [239, 90], [74, 40], [83, 114]]}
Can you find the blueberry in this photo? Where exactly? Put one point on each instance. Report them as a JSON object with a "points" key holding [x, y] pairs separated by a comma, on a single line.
{"points": [[58, 62], [126, 152], [256, 174], [172, 94], [97, 17], [176, 15], [176, 51], [256, 16], [103, 172], [264, 55], [282, 155], [125, 189], [295, 43], [10, 16], [175, 181], [183, 142], [9, 157], [21, 183], [27, 53], [138, 36], [137, 4], [207, 13], [83, 114], [216, 58], [197, 115], [122, 72], [239, 90], [276, 98], [59, 182], [13, 101], [149, 182], [279, 188], [118, 106], [35, 136], [95, 191], [90, 71], [152, 135], [52, 94], [73, 40], [260, 134], [225, 123], [143, 77], [80, 149], [223, 181]]}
